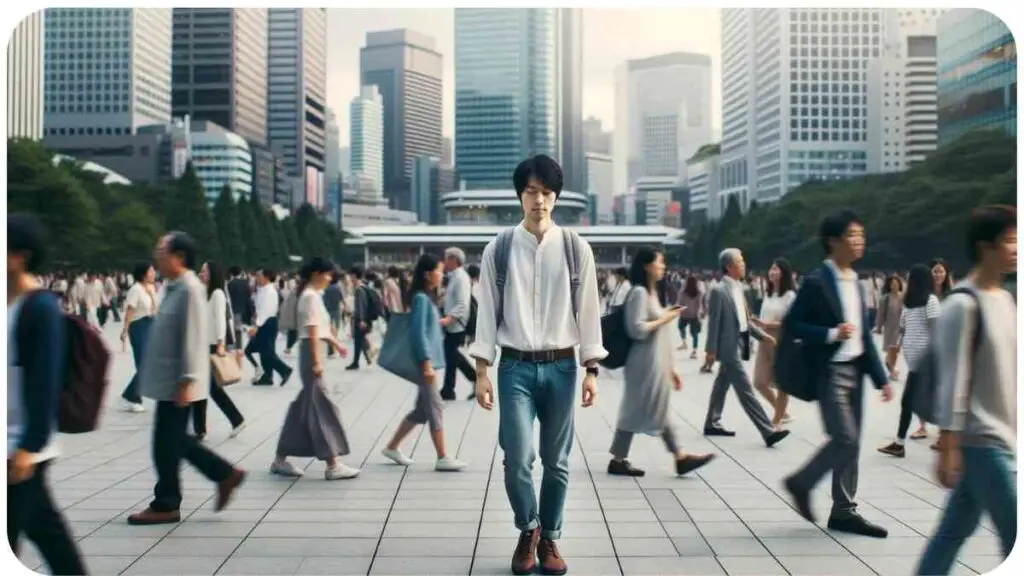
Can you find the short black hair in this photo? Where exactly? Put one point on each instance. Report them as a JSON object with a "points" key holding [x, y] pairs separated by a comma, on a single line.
{"points": [[139, 272], [235, 271], [183, 245], [474, 271], [544, 169], [26, 234], [986, 225], [356, 272], [269, 273], [834, 226]]}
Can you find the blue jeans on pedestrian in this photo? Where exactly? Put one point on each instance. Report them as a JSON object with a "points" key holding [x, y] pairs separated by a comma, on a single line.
{"points": [[138, 335], [988, 484], [546, 392]]}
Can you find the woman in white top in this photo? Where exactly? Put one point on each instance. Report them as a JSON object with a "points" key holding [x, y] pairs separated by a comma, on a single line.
{"points": [[212, 274], [920, 313], [312, 427], [140, 307], [777, 300]]}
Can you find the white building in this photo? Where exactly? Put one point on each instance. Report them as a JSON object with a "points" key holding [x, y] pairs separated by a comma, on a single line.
{"points": [[794, 97], [655, 195], [220, 157], [366, 139], [107, 70], [662, 115], [25, 79], [356, 215], [297, 92], [902, 92], [703, 179], [601, 185], [332, 148]]}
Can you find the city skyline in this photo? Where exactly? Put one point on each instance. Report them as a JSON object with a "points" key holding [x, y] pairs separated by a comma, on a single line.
{"points": [[665, 30]]}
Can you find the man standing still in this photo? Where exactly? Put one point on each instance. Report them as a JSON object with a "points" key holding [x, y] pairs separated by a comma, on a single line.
{"points": [[728, 342], [537, 328], [456, 315], [830, 316], [174, 373]]}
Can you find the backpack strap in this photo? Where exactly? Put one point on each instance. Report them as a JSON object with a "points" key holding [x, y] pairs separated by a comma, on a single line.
{"points": [[502, 249], [26, 323], [571, 241]]}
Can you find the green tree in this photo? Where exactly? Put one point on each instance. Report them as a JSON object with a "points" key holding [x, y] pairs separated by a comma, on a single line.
{"points": [[246, 230], [291, 236], [131, 233], [225, 215], [188, 211]]}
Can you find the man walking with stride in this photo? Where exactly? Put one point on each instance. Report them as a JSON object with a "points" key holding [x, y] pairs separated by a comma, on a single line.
{"points": [[538, 301]]}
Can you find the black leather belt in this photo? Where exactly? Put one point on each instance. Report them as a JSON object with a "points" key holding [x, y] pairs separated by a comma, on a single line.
{"points": [[538, 357]]}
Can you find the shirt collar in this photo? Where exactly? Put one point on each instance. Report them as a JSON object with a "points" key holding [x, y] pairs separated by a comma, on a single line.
{"points": [[846, 276]]}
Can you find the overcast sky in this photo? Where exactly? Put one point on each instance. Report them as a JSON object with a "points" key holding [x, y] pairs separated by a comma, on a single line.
{"points": [[610, 36]]}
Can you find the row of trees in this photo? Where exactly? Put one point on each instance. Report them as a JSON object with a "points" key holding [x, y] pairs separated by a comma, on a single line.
{"points": [[105, 227], [909, 217]]}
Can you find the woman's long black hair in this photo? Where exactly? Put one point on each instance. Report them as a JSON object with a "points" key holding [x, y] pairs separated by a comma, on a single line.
{"points": [[216, 279], [785, 278], [919, 286], [887, 289], [638, 271], [691, 289], [947, 284], [427, 263]]}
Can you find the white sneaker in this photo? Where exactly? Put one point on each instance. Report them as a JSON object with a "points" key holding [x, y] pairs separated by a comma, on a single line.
{"points": [[449, 464], [127, 406], [340, 472], [286, 469], [397, 457], [238, 429]]}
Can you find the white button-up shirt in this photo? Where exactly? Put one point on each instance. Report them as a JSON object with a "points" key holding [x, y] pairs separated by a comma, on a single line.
{"points": [[538, 303], [266, 303], [849, 299]]}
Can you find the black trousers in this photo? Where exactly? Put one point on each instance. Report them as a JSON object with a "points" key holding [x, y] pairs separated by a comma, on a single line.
{"points": [[265, 343], [454, 360], [31, 511], [171, 445], [358, 344], [907, 405], [221, 399]]}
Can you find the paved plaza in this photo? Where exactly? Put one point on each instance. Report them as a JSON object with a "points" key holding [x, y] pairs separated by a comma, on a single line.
{"points": [[729, 518]]}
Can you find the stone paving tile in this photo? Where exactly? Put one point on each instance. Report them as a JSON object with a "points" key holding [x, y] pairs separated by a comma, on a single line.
{"points": [[731, 517]]}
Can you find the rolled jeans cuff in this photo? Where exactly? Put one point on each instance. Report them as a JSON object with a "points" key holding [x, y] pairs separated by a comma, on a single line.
{"points": [[529, 525], [551, 534]]}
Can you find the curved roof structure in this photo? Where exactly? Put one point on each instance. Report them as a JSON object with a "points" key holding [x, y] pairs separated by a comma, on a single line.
{"points": [[596, 235], [499, 197], [109, 176]]}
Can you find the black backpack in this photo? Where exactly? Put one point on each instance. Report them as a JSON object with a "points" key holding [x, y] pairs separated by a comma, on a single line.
{"points": [[85, 376], [471, 321], [374, 306], [614, 336]]}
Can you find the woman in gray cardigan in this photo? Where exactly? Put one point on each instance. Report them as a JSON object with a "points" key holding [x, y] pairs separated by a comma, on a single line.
{"points": [[649, 373], [887, 323]]}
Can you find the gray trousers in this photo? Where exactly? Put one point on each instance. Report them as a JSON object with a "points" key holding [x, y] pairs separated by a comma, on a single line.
{"points": [[841, 411], [732, 372], [622, 440]]}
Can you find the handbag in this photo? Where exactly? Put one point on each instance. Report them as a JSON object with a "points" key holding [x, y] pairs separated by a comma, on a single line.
{"points": [[396, 355], [226, 370]]}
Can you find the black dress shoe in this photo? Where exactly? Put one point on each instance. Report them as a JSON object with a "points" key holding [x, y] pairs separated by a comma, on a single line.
{"points": [[692, 462], [718, 431], [857, 525], [624, 468], [446, 395], [287, 376], [801, 499], [775, 437]]}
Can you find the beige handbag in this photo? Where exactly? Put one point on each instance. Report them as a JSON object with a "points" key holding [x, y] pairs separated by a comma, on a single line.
{"points": [[226, 370]]}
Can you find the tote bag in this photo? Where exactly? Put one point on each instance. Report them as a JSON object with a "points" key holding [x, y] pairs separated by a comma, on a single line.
{"points": [[396, 354]]}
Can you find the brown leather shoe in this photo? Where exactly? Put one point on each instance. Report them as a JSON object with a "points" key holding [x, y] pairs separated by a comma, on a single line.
{"points": [[524, 559], [551, 562], [150, 517], [227, 487]]}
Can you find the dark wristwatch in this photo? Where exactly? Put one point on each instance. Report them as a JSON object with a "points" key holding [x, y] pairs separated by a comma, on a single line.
{"points": [[592, 371]]}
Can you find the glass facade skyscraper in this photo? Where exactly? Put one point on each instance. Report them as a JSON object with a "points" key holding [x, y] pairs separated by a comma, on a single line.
{"points": [[506, 85], [977, 77]]}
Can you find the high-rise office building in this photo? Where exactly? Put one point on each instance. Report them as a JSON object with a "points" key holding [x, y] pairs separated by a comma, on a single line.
{"points": [[977, 74], [662, 115], [366, 119], [408, 71], [25, 79], [570, 95], [107, 70], [297, 88], [506, 91], [332, 147], [902, 110], [794, 97], [595, 139], [219, 68]]}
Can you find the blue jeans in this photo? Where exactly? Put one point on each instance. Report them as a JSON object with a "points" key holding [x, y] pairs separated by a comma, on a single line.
{"points": [[526, 391], [988, 484], [138, 335]]}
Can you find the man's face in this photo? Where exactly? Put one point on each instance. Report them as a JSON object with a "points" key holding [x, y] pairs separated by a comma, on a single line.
{"points": [[162, 257], [261, 280], [450, 263], [851, 245], [537, 201], [1003, 253], [738, 269]]}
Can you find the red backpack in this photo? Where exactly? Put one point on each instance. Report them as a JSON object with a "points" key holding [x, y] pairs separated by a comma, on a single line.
{"points": [[85, 379]]}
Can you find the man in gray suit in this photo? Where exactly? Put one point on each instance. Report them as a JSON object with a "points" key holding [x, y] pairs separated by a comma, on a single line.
{"points": [[456, 303], [728, 341]]}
